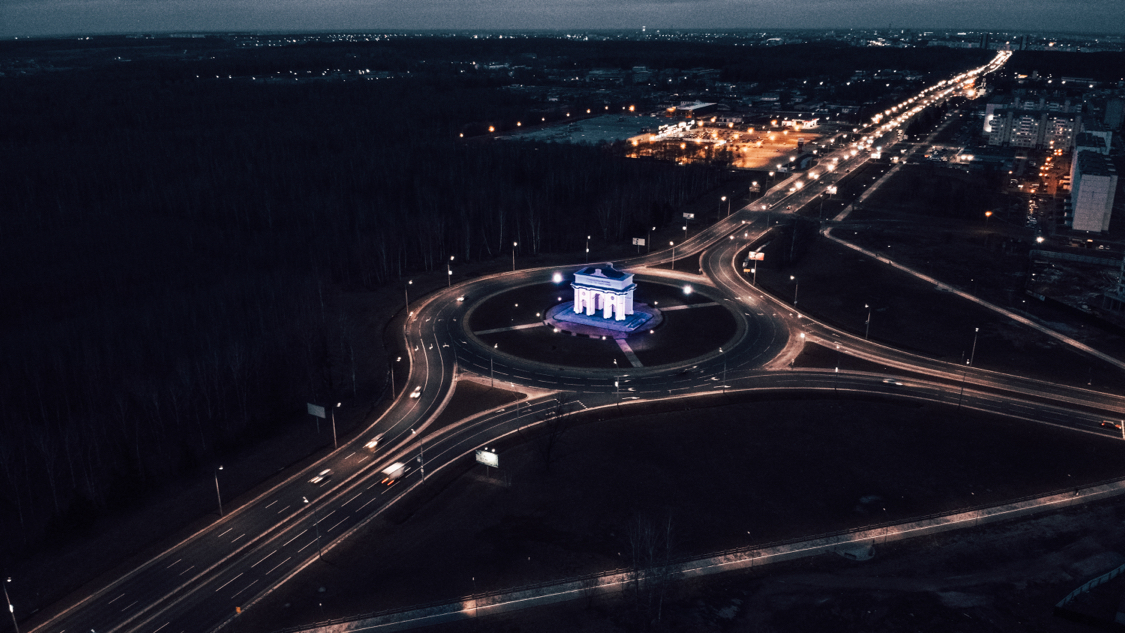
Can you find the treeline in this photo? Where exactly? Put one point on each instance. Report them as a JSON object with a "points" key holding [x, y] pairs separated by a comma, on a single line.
{"points": [[176, 256], [1100, 66]]}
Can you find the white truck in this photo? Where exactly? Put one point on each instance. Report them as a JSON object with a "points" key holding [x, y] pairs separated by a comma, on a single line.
{"points": [[393, 473]]}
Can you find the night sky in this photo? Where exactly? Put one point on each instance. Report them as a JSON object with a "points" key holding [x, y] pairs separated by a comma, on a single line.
{"points": [[64, 17]]}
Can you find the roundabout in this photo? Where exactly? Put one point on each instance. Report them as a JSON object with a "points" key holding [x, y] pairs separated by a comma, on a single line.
{"points": [[532, 324]]}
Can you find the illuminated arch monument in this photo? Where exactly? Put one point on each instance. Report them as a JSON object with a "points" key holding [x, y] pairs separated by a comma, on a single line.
{"points": [[604, 288], [603, 305]]}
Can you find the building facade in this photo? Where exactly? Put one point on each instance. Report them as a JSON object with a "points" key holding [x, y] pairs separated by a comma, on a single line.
{"points": [[1091, 192]]}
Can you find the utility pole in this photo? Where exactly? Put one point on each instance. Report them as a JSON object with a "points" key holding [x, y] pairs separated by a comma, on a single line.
{"points": [[867, 333]]}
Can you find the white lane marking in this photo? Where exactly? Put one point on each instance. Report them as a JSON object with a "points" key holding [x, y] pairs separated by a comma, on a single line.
{"points": [[294, 538], [238, 537], [337, 524], [243, 589], [130, 605], [303, 548], [279, 565], [263, 560], [187, 570], [272, 502], [366, 504], [348, 456], [283, 509], [228, 582], [226, 530], [351, 500], [161, 626], [173, 564], [115, 599]]}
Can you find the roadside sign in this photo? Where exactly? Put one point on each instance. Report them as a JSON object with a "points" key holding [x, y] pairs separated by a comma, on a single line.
{"points": [[316, 410], [488, 458], [638, 241], [689, 216], [757, 256]]}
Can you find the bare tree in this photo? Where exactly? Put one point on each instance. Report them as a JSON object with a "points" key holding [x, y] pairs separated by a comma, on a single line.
{"points": [[553, 424], [651, 572]]}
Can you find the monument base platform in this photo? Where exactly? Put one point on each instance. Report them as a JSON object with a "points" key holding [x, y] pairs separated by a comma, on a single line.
{"points": [[563, 317]]}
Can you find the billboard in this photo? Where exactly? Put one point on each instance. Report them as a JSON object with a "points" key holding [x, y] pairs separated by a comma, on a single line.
{"points": [[488, 458], [316, 410]]}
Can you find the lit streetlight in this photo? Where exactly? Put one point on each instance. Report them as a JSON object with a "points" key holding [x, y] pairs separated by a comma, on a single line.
{"points": [[796, 286], [868, 332], [587, 249], [685, 232], [649, 241], [973, 354], [11, 609], [217, 493], [514, 245], [673, 245], [406, 293], [449, 272], [334, 444]]}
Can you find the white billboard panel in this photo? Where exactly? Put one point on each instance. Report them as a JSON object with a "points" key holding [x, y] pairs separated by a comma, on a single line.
{"points": [[488, 458]]}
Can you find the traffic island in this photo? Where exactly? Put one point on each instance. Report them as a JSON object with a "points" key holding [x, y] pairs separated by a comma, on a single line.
{"points": [[537, 323]]}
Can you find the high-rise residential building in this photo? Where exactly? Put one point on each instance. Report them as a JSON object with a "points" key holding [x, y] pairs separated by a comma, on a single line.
{"points": [[1114, 112], [1034, 129], [1091, 191]]}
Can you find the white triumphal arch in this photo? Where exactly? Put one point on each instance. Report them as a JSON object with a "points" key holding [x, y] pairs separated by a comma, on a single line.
{"points": [[604, 288]]}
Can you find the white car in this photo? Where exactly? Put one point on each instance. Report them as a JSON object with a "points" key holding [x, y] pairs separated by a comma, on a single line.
{"points": [[374, 442], [416, 393], [321, 477]]}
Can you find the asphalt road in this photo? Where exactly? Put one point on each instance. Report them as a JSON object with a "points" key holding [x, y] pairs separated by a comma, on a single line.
{"points": [[198, 584]]}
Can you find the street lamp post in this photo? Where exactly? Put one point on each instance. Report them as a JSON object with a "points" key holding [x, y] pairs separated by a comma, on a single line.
{"points": [[587, 249], [685, 232], [836, 381], [449, 272], [316, 526], [720, 213], [648, 242], [406, 293], [673, 245], [796, 287], [514, 245], [334, 443], [724, 369], [11, 609], [217, 493], [867, 333], [973, 354]]}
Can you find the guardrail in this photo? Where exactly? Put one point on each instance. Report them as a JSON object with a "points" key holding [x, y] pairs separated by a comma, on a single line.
{"points": [[1085, 588]]}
